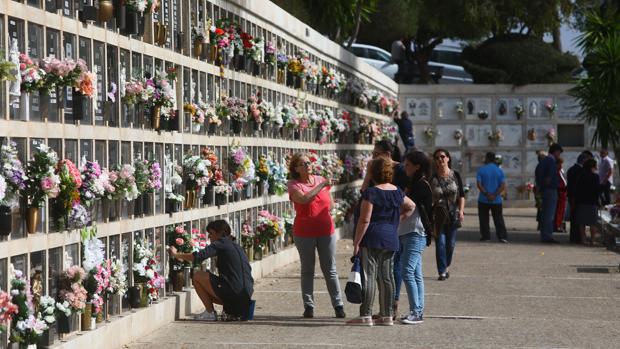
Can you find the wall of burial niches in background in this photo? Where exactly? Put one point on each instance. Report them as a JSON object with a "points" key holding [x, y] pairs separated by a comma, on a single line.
{"points": [[488, 108], [113, 133]]}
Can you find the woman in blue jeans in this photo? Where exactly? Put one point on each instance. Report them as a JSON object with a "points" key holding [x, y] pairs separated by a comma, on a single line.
{"points": [[448, 205], [413, 234]]}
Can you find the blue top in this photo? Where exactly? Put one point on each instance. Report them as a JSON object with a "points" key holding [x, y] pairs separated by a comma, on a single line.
{"points": [[382, 232], [490, 177], [400, 178], [547, 169]]}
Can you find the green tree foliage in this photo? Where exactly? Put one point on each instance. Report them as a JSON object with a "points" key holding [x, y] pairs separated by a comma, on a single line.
{"points": [[599, 92], [517, 59]]}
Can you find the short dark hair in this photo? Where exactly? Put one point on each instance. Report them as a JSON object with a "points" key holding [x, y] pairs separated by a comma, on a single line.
{"points": [[404, 115], [555, 147], [489, 158], [384, 146], [589, 164], [381, 170], [585, 155], [221, 227]]}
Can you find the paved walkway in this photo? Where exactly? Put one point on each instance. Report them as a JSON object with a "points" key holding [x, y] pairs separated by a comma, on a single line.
{"points": [[518, 295]]}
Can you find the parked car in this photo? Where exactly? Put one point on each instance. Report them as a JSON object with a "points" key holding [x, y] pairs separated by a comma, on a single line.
{"points": [[443, 69]]}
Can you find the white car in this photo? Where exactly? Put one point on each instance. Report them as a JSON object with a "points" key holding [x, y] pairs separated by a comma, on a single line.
{"points": [[444, 62]]}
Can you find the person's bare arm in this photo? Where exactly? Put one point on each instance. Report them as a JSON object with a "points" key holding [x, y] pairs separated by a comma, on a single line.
{"points": [[406, 209], [362, 224], [172, 251], [301, 198]]}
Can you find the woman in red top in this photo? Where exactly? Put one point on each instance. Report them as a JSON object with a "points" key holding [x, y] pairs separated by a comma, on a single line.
{"points": [[313, 229], [560, 208]]}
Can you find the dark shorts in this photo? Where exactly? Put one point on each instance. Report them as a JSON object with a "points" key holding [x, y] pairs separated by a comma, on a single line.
{"points": [[234, 303]]}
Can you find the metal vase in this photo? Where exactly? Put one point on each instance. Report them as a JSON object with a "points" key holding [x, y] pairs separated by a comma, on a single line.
{"points": [[87, 314], [155, 117], [24, 106], [32, 219], [106, 10], [6, 221], [187, 276]]}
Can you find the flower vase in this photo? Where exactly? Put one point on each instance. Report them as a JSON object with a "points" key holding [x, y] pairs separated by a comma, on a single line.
{"points": [[261, 188], [106, 10], [196, 127], [144, 297], [266, 250], [24, 106], [258, 253], [459, 141], [257, 68], [212, 128], [187, 276], [172, 206], [132, 22], [47, 339], [178, 281], [135, 295], [299, 82], [280, 77], [247, 191], [64, 323], [236, 195], [248, 64], [189, 199], [77, 104], [86, 317], [207, 198], [290, 79], [6, 221], [296, 134], [220, 199], [114, 305], [249, 252], [239, 61], [271, 189], [236, 126], [197, 48], [155, 117], [32, 219], [213, 54]]}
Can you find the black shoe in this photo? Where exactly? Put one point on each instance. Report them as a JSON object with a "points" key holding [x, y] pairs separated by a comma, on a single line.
{"points": [[340, 312], [442, 277], [308, 312], [552, 241], [485, 239], [503, 241], [447, 275]]}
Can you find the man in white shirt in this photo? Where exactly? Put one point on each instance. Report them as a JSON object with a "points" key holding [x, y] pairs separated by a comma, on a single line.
{"points": [[606, 174]]}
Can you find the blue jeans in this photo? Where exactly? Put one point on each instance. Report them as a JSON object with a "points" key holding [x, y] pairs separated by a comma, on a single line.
{"points": [[412, 245], [398, 277], [549, 203], [444, 248]]}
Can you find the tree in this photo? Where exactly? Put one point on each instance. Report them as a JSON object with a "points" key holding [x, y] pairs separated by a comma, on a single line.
{"points": [[338, 19], [599, 92]]}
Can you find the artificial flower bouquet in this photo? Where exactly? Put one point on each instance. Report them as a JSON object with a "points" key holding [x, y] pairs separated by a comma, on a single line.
{"points": [[247, 235], [124, 181], [7, 310], [32, 76], [262, 172], [145, 270], [12, 174], [182, 240], [196, 172], [67, 209], [27, 324], [42, 180], [142, 6], [268, 228], [97, 280], [72, 295], [147, 176], [94, 182]]}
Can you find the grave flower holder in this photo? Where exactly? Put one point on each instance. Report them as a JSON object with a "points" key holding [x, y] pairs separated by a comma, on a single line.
{"points": [[6, 221], [24, 106], [32, 219], [78, 101]]}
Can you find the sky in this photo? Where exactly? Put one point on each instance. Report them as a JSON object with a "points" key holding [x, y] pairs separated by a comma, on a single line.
{"points": [[568, 40]]}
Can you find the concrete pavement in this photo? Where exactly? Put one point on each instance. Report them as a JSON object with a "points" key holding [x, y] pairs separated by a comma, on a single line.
{"points": [[518, 295]]}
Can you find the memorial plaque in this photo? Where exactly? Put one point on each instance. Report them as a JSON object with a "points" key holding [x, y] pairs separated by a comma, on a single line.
{"points": [[568, 108], [536, 136], [506, 109], [513, 135], [447, 108], [420, 138], [512, 192], [457, 160], [512, 163], [478, 135], [477, 108], [536, 107], [446, 138], [419, 108]]}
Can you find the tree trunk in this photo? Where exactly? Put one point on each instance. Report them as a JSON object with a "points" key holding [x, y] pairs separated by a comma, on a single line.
{"points": [[358, 20], [424, 49], [557, 39]]}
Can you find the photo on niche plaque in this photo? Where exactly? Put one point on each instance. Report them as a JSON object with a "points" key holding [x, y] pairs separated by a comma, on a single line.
{"points": [[509, 109], [419, 108], [478, 108]]}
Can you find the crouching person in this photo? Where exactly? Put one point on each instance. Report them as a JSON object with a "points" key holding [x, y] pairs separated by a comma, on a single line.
{"points": [[233, 287]]}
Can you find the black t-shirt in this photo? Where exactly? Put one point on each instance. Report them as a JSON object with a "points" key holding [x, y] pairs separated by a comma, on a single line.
{"points": [[232, 264]]}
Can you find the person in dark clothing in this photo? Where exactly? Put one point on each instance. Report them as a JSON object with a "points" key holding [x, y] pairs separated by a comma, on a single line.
{"points": [[572, 176], [405, 130], [547, 181], [587, 198], [233, 288]]}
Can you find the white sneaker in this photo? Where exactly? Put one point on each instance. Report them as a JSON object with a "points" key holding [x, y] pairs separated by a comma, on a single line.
{"points": [[207, 316]]}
